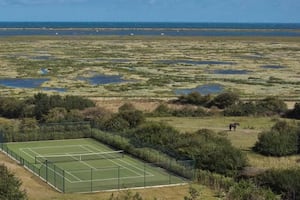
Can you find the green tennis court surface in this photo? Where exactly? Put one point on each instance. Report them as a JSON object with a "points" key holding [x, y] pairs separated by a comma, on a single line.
{"points": [[85, 165]]}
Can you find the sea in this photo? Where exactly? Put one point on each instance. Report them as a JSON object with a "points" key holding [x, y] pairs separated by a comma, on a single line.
{"points": [[149, 29]]}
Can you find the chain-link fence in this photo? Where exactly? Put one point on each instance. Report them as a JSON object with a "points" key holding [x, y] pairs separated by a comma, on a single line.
{"points": [[71, 179]]}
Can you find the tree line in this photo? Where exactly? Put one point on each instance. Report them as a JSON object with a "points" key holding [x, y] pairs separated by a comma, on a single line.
{"points": [[232, 105]]}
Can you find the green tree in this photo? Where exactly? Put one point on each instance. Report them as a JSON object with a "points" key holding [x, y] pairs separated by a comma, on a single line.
{"points": [[28, 124], [271, 106], [42, 105], [225, 100], [10, 186], [212, 152], [156, 134], [133, 117], [76, 102], [281, 140], [55, 115], [116, 123]]}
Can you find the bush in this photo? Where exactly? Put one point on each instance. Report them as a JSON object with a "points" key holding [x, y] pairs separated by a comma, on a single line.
{"points": [[285, 182], [225, 100], [245, 190], [115, 123], [281, 140], [133, 117], [212, 152], [10, 186], [162, 111], [189, 112], [271, 106], [195, 98], [155, 134], [241, 109]]}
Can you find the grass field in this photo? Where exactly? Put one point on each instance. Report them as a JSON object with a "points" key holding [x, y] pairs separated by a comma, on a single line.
{"points": [[243, 138], [93, 174]]}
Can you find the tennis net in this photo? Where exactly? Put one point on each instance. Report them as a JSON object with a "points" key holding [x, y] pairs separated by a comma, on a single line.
{"points": [[79, 157]]}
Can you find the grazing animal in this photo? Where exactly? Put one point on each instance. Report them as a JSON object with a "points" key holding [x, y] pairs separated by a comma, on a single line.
{"points": [[233, 126]]}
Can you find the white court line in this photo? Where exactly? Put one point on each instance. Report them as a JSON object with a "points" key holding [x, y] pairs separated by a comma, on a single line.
{"points": [[98, 169], [109, 179], [112, 161], [49, 147], [50, 168], [119, 163], [90, 166], [128, 163], [53, 170], [74, 176], [22, 150]]}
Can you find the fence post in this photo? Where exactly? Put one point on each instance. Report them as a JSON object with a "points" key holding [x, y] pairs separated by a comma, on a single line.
{"points": [[170, 170], [54, 175], [63, 181], [144, 173], [118, 177], [91, 179], [46, 163]]}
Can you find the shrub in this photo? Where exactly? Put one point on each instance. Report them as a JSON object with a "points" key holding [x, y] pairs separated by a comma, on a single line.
{"points": [[212, 152], [155, 134], [189, 112], [115, 123], [162, 111], [10, 186], [245, 190], [271, 106], [195, 98], [282, 181], [241, 109], [127, 107], [281, 140], [133, 117], [225, 100]]}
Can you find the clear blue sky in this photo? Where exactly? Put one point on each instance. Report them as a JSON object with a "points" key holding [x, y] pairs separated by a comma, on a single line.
{"points": [[151, 10]]}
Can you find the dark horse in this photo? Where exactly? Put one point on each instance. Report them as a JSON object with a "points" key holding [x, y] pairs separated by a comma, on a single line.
{"points": [[233, 126]]}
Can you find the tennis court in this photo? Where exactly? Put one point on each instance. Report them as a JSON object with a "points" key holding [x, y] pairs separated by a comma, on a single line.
{"points": [[86, 165]]}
